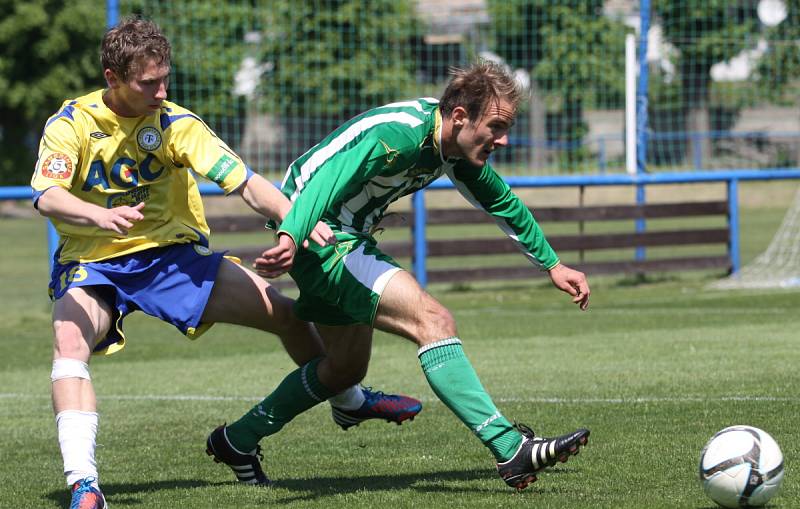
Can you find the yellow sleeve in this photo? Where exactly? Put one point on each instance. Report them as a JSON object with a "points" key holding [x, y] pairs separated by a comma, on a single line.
{"points": [[59, 153], [195, 146]]}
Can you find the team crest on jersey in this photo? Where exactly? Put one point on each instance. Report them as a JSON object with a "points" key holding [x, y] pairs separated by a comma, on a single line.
{"points": [[149, 138], [391, 154], [202, 250], [57, 166]]}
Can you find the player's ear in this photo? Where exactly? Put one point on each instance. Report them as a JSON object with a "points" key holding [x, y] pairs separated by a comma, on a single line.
{"points": [[459, 116], [111, 79]]}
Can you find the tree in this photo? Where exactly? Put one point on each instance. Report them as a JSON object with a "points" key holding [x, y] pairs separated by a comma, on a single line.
{"points": [[575, 56], [50, 53], [781, 65], [324, 62], [337, 57], [705, 32], [208, 45]]}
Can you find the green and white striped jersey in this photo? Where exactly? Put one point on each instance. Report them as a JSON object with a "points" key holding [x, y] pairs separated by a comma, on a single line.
{"points": [[350, 178]]}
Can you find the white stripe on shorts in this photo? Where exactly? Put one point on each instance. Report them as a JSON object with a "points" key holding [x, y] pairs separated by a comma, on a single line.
{"points": [[368, 270]]}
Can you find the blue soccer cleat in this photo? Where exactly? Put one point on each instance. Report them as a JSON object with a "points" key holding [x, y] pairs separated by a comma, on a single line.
{"points": [[86, 495], [389, 407]]}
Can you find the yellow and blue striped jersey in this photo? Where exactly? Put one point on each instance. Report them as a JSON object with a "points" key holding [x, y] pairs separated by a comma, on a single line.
{"points": [[110, 161]]}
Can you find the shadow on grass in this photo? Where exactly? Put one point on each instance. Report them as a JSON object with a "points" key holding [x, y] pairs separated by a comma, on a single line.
{"points": [[123, 493], [312, 488], [434, 482]]}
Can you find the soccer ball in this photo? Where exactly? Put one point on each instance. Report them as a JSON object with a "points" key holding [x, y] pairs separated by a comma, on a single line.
{"points": [[741, 466]]}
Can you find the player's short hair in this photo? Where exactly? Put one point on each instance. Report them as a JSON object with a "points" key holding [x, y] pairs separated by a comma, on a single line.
{"points": [[130, 43], [477, 86]]}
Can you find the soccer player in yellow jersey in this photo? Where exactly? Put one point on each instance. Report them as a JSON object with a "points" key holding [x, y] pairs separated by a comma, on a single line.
{"points": [[113, 175]]}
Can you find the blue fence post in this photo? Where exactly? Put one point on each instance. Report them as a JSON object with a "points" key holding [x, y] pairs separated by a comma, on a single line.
{"points": [[641, 224], [112, 12], [112, 16], [697, 150], [52, 243], [601, 154], [733, 224], [641, 114], [420, 242], [641, 88]]}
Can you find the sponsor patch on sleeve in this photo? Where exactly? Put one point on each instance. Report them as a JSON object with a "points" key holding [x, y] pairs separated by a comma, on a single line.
{"points": [[222, 168], [57, 166]]}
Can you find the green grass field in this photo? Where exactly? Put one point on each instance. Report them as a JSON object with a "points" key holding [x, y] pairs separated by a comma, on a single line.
{"points": [[654, 368]]}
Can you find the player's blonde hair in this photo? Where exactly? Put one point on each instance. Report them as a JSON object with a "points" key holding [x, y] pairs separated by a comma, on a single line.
{"points": [[477, 86], [130, 43]]}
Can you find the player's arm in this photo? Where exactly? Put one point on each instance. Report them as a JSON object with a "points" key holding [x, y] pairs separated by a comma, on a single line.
{"points": [[58, 203], [486, 190], [344, 172], [267, 200], [196, 146], [52, 197]]}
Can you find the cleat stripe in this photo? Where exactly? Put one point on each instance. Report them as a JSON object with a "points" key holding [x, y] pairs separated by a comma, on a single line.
{"points": [[543, 455]]}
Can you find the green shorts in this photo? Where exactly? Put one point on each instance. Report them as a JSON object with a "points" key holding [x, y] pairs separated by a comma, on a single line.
{"points": [[341, 284]]}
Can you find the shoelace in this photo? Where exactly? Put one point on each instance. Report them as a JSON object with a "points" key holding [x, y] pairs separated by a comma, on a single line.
{"points": [[373, 395], [84, 484], [526, 431]]}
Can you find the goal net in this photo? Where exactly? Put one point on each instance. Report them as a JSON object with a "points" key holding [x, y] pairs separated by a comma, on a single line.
{"points": [[779, 265]]}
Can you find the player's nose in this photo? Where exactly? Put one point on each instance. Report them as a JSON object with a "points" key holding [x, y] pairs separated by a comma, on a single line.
{"points": [[161, 92], [502, 141]]}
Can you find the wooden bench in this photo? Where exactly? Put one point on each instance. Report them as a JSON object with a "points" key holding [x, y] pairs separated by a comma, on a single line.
{"points": [[579, 243]]}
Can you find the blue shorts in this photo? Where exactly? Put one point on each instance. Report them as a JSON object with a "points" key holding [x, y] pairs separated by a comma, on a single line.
{"points": [[172, 283]]}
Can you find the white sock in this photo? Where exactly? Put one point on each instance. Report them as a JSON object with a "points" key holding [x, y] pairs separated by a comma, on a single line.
{"points": [[348, 399], [77, 433]]}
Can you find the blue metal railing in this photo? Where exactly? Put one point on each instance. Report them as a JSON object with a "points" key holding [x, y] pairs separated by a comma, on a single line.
{"points": [[732, 178]]}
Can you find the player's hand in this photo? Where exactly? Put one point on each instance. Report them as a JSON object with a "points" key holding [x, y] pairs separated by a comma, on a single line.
{"points": [[322, 235], [120, 219], [573, 282], [277, 260]]}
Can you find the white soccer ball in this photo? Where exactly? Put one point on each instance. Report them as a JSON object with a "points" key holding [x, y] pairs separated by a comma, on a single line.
{"points": [[741, 466]]}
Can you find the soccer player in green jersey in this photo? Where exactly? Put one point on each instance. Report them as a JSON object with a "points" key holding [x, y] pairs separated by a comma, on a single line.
{"points": [[350, 288], [114, 176]]}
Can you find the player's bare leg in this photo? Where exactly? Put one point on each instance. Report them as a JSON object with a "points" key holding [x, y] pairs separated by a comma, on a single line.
{"points": [[349, 349], [243, 298], [409, 311], [80, 317]]}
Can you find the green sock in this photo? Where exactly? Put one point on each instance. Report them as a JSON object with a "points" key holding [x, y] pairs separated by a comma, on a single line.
{"points": [[455, 382], [299, 391]]}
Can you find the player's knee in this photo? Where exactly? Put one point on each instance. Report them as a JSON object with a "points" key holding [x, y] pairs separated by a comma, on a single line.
{"points": [[69, 341], [434, 323], [280, 317]]}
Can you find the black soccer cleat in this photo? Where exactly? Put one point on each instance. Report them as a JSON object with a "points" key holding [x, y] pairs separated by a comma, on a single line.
{"points": [[246, 466], [537, 453]]}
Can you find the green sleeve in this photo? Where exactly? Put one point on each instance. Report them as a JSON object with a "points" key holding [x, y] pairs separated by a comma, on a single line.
{"points": [[486, 190], [342, 174]]}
